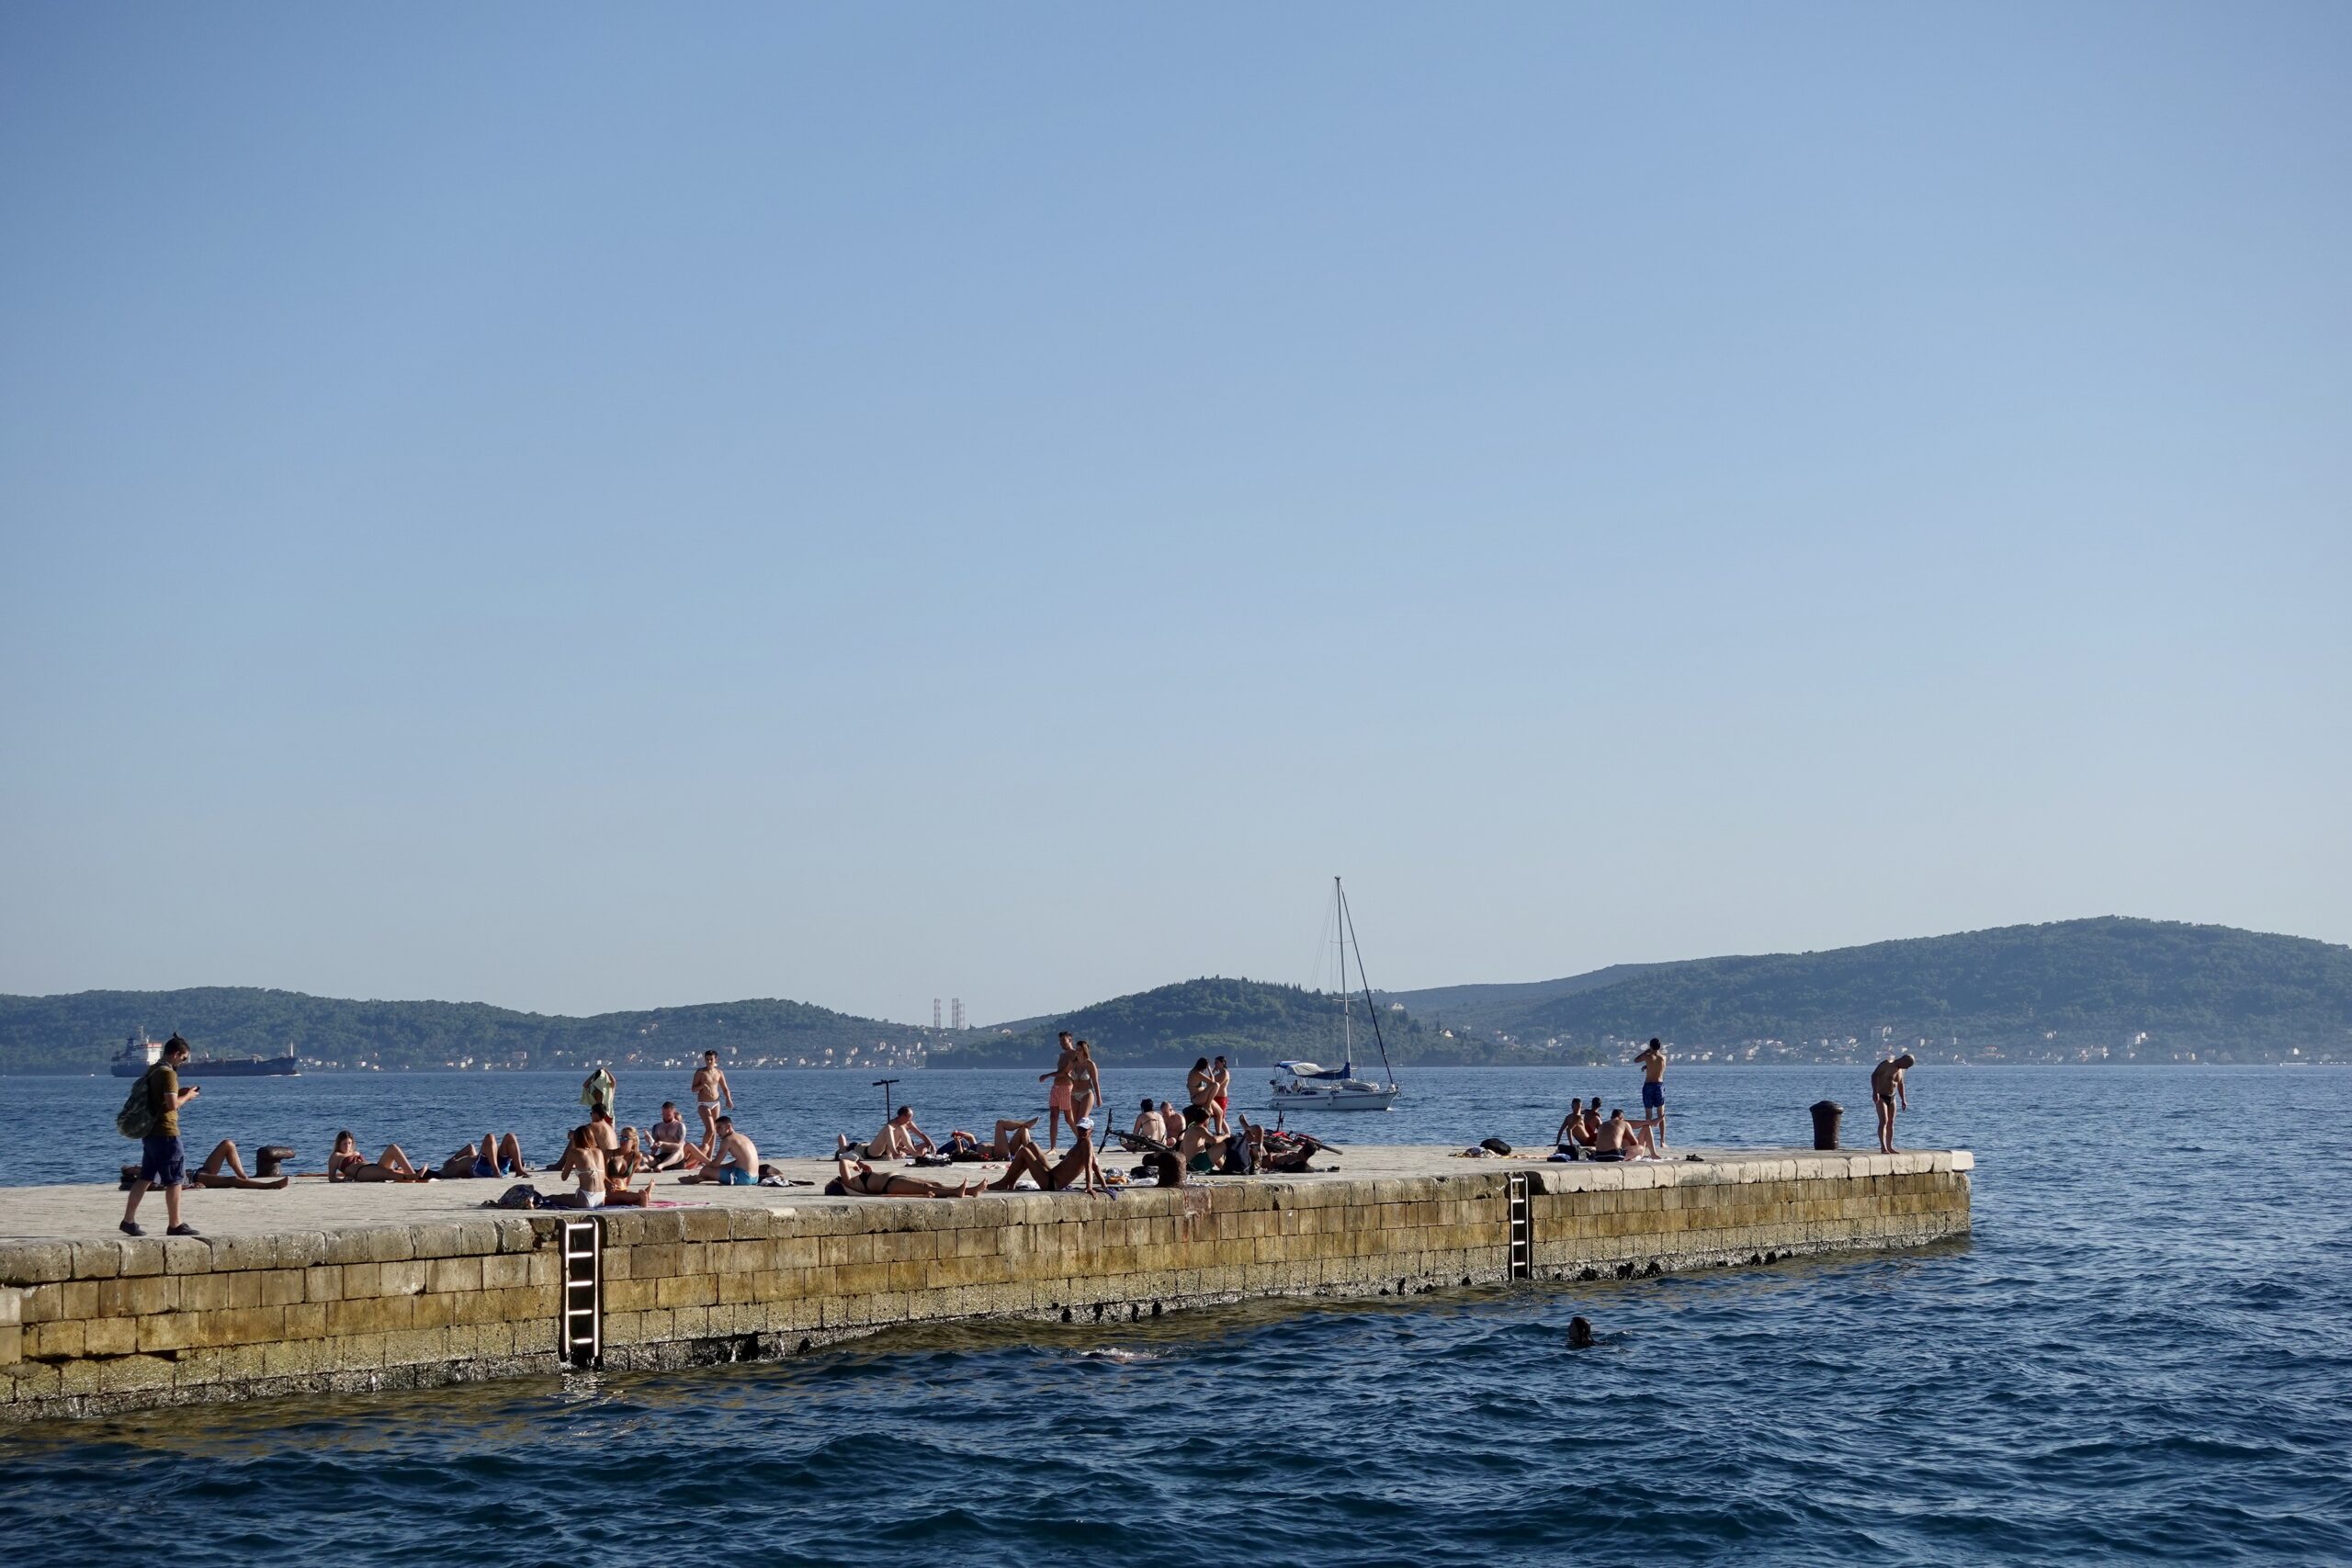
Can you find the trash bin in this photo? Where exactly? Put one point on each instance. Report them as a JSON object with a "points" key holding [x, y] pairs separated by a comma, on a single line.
{"points": [[1825, 1115]]}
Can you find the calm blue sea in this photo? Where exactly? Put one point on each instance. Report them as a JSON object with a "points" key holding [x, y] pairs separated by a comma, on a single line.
{"points": [[2145, 1353]]}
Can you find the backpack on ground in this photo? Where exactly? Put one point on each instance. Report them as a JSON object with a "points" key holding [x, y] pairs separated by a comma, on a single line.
{"points": [[137, 1117]]}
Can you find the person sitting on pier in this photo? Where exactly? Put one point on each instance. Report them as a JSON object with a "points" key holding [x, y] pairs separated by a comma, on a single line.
{"points": [[600, 1127], [1574, 1134], [735, 1163], [1076, 1166], [856, 1178], [222, 1169], [1200, 1150], [493, 1155], [629, 1158], [898, 1139], [1618, 1139], [669, 1138], [1148, 1122], [347, 1164], [1172, 1121], [585, 1162]]}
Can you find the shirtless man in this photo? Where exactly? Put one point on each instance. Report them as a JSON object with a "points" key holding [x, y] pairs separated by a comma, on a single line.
{"points": [[856, 1178], [601, 1128], [669, 1136], [1200, 1149], [1652, 1061], [1571, 1133], [1079, 1164], [1618, 1139], [1148, 1122], [1887, 1090], [1171, 1122], [734, 1163], [898, 1139], [711, 1094], [1057, 1094]]}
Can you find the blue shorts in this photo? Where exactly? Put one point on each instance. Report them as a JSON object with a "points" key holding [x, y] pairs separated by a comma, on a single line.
{"points": [[1653, 1097], [736, 1176], [485, 1169], [162, 1160]]}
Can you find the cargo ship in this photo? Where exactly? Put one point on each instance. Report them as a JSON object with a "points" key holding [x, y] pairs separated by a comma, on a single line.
{"points": [[138, 1055]]}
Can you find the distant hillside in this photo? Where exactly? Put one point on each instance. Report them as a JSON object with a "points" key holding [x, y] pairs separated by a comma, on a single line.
{"points": [[2049, 991], [78, 1033], [1504, 1006], [1250, 1020]]}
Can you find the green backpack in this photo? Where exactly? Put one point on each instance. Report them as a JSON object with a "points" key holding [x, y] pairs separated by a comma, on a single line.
{"points": [[137, 1117]]}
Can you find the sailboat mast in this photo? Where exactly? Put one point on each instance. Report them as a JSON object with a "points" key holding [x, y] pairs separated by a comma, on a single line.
{"points": [[1347, 1015], [1371, 1010]]}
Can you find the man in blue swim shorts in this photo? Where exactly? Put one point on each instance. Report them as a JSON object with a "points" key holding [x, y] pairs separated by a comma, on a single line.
{"points": [[1652, 1061], [734, 1163]]}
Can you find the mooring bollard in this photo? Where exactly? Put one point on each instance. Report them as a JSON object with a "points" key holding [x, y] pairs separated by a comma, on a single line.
{"points": [[1826, 1116]]}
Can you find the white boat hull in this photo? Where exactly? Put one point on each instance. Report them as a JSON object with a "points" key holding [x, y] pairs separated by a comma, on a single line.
{"points": [[1335, 1099]]}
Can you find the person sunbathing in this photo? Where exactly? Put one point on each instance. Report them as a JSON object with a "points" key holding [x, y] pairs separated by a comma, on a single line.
{"points": [[856, 1178], [898, 1139], [347, 1164], [493, 1155], [965, 1147], [628, 1158], [1076, 1166], [1280, 1152], [222, 1169]]}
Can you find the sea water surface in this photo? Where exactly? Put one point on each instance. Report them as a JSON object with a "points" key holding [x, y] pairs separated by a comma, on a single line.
{"points": [[2145, 1353]]}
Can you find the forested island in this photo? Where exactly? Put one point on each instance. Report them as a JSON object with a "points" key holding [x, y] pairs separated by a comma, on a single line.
{"points": [[2111, 989]]}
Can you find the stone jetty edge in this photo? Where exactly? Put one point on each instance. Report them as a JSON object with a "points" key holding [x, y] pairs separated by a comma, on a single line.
{"points": [[97, 1327]]}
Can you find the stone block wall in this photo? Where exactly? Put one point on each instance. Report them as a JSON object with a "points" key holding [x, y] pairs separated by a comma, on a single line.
{"points": [[88, 1327]]}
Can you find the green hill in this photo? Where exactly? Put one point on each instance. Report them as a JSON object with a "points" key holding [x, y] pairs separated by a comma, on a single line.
{"points": [[1507, 1005], [78, 1033], [1249, 1020], [2048, 991]]}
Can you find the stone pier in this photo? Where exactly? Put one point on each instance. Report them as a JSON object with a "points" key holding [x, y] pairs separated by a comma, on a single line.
{"points": [[337, 1288]]}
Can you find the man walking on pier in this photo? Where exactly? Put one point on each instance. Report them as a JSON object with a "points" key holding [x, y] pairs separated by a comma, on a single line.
{"points": [[1652, 1061], [162, 1160]]}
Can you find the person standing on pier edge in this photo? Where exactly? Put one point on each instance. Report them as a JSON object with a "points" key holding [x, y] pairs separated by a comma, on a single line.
{"points": [[1652, 1061], [162, 1161], [1886, 1090]]}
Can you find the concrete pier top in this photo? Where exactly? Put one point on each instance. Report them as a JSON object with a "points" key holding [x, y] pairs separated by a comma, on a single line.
{"points": [[90, 1212]]}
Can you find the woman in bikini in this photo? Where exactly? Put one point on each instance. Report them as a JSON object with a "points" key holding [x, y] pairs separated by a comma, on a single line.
{"points": [[587, 1162], [1058, 1095], [856, 1178], [1085, 1085], [347, 1164]]}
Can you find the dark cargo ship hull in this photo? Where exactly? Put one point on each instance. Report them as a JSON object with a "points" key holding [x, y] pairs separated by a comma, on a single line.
{"points": [[231, 1068]]}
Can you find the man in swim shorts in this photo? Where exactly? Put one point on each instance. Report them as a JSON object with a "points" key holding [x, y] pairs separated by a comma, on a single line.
{"points": [[1887, 1090], [711, 1097], [1652, 1061], [735, 1163]]}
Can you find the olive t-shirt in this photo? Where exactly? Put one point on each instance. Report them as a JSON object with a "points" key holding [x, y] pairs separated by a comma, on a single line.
{"points": [[164, 1101]]}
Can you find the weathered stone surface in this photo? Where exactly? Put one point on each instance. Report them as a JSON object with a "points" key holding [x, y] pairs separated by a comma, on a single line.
{"points": [[415, 1290]]}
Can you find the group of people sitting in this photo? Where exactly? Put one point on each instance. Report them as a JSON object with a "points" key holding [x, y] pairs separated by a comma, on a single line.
{"points": [[1584, 1135]]}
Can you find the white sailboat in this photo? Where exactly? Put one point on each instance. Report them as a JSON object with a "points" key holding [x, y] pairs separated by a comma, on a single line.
{"points": [[1312, 1087]]}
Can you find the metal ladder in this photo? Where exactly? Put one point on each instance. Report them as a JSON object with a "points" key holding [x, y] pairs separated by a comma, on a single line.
{"points": [[580, 1331], [1522, 1229]]}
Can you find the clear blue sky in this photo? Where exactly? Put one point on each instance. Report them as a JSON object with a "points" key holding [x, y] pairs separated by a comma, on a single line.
{"points": [[583, 507]]}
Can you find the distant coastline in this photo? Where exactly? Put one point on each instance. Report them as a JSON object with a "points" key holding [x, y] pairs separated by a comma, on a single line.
{"points": [[2111, 990]]}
